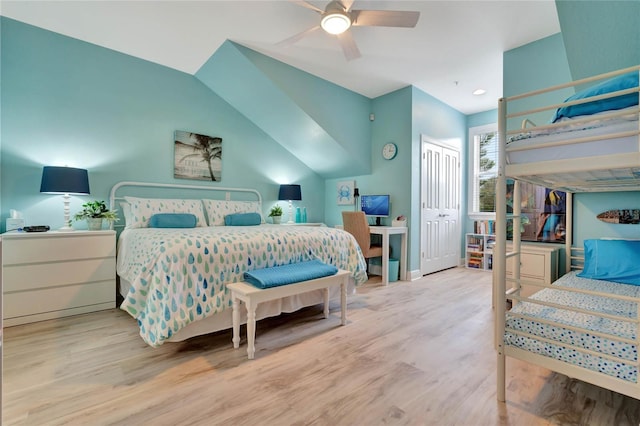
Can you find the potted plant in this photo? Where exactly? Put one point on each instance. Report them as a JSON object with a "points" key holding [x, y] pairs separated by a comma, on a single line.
{"points": [[276, 214], [94, 212]]}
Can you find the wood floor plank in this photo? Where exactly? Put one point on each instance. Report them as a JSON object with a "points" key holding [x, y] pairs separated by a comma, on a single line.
{"points": [[412, 353]]}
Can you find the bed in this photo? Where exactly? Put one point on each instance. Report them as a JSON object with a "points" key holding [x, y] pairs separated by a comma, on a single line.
{"points": [[172, 278], [585, 325]]}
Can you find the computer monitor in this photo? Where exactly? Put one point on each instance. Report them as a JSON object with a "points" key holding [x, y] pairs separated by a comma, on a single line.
{"points": [[375, 206]]}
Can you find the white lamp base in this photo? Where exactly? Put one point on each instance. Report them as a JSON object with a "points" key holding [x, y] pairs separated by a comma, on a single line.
{"points": [[291, 212], [67, 215]]}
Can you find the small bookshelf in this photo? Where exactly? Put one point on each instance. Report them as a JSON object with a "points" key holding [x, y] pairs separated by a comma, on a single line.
{"points": [[479, 251]]}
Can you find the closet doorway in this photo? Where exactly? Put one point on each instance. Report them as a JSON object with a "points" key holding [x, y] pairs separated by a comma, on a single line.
{"points": [[440, 206]]}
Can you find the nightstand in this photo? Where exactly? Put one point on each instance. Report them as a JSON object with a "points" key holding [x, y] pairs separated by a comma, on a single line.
{"points": [[53, 274]]}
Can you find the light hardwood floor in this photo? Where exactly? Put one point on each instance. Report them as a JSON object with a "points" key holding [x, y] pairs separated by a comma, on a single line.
{"points": [[412, 353]]}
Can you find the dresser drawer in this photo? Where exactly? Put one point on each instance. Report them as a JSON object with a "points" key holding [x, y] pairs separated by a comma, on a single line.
{"points": [[531, 265], [51, 300], [45, 275], [48, 249]]}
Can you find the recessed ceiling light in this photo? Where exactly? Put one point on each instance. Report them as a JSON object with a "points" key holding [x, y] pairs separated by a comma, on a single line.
{"points": [[479, 92]]}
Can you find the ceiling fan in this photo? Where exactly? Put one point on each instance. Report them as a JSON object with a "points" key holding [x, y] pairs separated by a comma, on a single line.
{"points": [[338, 17]]}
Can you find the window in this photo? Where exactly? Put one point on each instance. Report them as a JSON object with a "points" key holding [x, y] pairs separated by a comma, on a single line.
{"points": [[483, 150]]}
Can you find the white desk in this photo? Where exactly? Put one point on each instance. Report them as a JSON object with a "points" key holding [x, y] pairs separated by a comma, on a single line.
{"points": [[385, 231]]}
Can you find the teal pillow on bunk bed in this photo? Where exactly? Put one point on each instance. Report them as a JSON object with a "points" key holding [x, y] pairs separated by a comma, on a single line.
{"points": [[622, 82], [612, 260], [173, 220], [242, 219]]}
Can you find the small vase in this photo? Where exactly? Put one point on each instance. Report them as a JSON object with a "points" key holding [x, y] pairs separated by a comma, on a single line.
{"points": [[94, 223], [276, 219]]}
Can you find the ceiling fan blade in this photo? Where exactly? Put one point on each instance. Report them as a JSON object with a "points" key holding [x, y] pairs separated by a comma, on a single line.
{"points": [[384, 18], [348, 44], [347, 4], [297, 37], [307, 5]]}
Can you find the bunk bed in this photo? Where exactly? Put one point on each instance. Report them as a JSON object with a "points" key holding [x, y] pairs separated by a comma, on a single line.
{"points": [[586, 325]]}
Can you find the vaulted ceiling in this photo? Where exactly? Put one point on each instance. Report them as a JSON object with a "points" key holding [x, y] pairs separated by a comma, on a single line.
{"points": [[455, 48]]}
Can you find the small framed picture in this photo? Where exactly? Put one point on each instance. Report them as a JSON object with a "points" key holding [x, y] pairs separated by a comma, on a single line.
{"points": [[345, 192]]}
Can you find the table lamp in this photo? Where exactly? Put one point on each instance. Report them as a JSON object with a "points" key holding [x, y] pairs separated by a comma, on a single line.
{"points": [[64, 180], [290, 193]]}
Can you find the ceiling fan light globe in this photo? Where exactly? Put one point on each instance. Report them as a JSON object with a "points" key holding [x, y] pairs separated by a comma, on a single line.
{"points": [[335, 23]]}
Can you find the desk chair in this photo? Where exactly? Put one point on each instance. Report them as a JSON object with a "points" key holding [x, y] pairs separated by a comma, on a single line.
{"points": [[356, 224]]}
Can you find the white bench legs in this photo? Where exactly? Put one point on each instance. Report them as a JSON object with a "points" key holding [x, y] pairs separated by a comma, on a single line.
{"points": [[252, 296]]}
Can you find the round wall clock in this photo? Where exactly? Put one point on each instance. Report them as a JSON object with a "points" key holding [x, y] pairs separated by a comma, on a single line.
{"points": [[389, 151]]}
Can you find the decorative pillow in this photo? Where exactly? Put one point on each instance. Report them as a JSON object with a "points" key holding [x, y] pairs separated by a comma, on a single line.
{"points": [[143, 208], [218, 209], [126, 212], [622, 82], [612, 260], [173, 220], [242, 219]]}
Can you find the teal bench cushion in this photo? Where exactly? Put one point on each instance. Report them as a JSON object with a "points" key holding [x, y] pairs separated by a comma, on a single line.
{"points": [[289, 274]]}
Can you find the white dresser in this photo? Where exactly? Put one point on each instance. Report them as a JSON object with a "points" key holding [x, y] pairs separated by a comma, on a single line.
{"points": [[53, 274], [538, 264]]}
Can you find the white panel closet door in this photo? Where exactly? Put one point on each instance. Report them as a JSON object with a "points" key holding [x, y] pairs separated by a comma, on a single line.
{"points": [[440, 215]]}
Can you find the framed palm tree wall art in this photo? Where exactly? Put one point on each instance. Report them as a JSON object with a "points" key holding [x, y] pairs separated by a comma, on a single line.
{"points": [[197, 156]]}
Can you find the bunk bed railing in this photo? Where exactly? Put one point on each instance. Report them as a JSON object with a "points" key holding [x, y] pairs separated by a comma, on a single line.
{"points": [[574, 83], [572, 103], [551, 126]]}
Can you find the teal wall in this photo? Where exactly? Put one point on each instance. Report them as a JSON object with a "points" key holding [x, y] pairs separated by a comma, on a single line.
{"points": [[307, 115], [535, 66], [600, 36], [67, 102], [392, 123]]}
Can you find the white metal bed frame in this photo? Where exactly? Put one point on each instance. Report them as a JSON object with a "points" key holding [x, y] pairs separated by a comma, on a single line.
{"points": [[546, 173], [121, 187]]}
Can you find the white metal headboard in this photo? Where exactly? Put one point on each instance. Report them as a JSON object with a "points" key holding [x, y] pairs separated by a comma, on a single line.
{"points": [[120, 187]]}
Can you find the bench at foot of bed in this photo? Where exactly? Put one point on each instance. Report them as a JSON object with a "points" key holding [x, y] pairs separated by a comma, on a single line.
{"points": [[252, 296]]}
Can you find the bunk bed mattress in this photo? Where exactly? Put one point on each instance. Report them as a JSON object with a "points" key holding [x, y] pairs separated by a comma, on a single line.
{"points": [[177, 276], [534, 152], [528, 332]]}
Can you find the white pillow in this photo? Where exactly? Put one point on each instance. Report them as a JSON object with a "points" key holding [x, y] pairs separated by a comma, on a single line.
{"points": [[218, 209], [143, 208], [126, 213]]}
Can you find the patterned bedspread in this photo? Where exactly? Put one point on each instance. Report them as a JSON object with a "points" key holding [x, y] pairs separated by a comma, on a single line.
{"points": [[606, 353], [177, 276]]}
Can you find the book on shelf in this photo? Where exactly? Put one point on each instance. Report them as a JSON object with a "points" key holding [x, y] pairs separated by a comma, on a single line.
{"points": [[485, 227], [475, 243], [474, 263]]}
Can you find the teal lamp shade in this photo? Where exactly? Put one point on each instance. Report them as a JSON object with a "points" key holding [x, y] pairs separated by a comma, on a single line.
{"points": [[64, 180], [290, 193]]}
